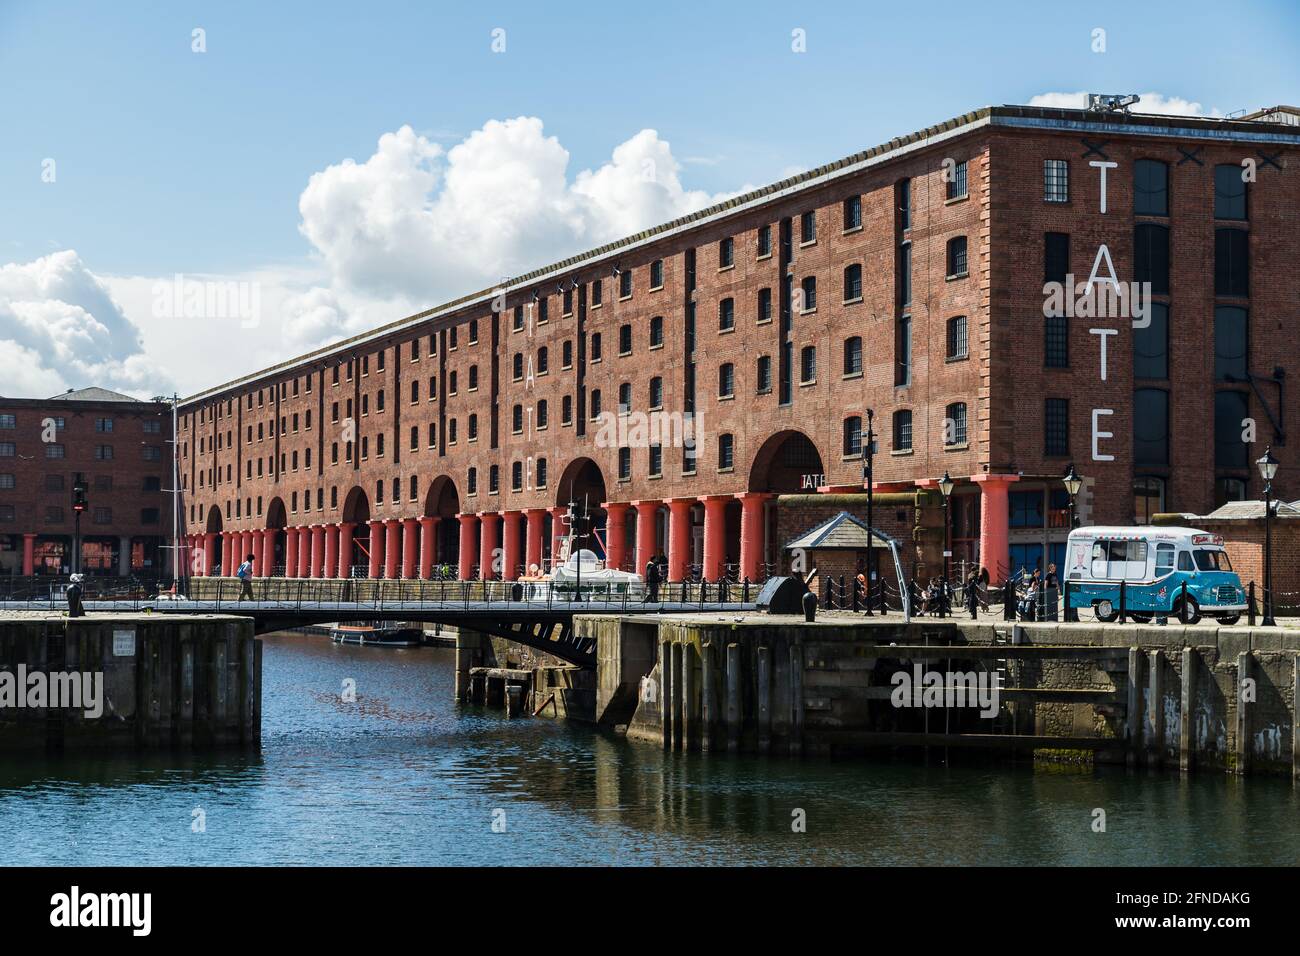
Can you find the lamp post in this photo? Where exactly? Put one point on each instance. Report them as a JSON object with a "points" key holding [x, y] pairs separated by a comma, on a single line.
{"points": [[945, 487], [1268, 469], [1072, 483], [868, 451], [79, 504]]}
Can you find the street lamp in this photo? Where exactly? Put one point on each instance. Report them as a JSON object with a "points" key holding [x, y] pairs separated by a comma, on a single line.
{"points": [[1072, 484], [1268, 469], [945, 487]]}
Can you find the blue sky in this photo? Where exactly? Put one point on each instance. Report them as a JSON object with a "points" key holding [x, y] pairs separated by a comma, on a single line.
{"points": [[173, 161]]}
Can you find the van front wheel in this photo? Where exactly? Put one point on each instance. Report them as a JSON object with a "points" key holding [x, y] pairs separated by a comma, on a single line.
{"points": [[1105, 611], [1193, 611]]}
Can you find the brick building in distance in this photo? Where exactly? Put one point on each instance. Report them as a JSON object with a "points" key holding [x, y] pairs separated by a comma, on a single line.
{"points": [[911, 279], [122, 448]]}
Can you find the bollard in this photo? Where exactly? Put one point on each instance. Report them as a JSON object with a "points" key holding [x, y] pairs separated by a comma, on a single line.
{"points": [[1008, 602], [514, 700], [1250, 604], [809, 606]]}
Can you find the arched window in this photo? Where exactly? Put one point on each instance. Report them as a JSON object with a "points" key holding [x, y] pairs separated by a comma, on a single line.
{"points": [[726, 380], [853, 355], [852, 436]]}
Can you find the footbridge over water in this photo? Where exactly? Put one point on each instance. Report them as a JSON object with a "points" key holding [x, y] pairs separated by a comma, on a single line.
{"points": [[533, 614]]}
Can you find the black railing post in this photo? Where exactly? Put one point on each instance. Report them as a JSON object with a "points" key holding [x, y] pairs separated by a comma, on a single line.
{"points": [[1071, 612], [1250, 604], [744, 590], [1008, 601], [1182, 606], [1123, 602]]}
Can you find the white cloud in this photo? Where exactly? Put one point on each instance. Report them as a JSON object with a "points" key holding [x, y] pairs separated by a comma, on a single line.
{"points": [[61, 326], [1147, 103], [427, 224], [413, 225]]}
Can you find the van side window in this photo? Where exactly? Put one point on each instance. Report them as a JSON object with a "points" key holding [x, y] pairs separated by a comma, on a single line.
{"points": [[1164, 559], [1099, 559], [1185, 561]]}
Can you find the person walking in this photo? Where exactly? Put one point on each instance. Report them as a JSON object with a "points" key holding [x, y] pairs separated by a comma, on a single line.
{"points": [[972, 593], [652, 579], [245, 575]]}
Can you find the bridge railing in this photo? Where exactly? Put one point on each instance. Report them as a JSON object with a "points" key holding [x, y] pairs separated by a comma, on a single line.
{"points": [[358, 597]]}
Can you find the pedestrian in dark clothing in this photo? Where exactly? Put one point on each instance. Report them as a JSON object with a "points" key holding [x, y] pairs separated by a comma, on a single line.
{"points": [[652, 580], [972, 593], [75, 608]]}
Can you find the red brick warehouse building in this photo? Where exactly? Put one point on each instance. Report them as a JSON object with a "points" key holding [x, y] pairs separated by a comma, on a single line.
{"points": [[908, 279], [121, 448]]}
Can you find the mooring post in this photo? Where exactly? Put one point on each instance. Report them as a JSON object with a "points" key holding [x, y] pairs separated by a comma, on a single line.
{"points": [[666, 692], [1133, 718], [1186, 734], [678, 716], [733, 697], [690, 716], [1155, 707], [796, 699], [764, 677], [708, 703], [514, 700], [1245, 671]]}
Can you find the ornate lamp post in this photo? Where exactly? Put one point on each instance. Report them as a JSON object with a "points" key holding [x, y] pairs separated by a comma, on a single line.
{"points": [[945, 487], [1072, 483], [1268, 470]]}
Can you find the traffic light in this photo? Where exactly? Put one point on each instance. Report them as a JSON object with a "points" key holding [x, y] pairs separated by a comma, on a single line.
{"points": [[78, 493]]}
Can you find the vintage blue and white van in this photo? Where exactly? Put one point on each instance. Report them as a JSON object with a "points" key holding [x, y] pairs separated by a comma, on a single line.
{"points": [[1154, 563]]}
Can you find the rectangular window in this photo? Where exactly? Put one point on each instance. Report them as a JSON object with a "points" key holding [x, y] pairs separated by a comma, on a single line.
{"points": [[957, 182], [1056, 344], [1056, 427], [808, 227], [1229, 410], [764, 241], [1151, 426], [852, 213], [1151, 344], [1151, 256], [625, 284], [905, 274], [764, 305], [958, 344], [1231, 262], [726, 254], [1056, 180], [1230, 343], [1150, 188], [1229, 192], [903, 430], [657, 274], [1056, 257], [8, 421]]}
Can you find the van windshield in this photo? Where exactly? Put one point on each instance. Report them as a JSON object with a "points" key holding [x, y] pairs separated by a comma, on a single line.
{"points": [[1207, 560]]}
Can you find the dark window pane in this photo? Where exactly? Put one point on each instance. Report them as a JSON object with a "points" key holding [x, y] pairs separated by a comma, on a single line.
{"points": [[1229, 192], [1056, 257], [1056, 427], [1231, 262], [1151, 257], [1056, 346], [1150, 188], [1229, 410], [1151, 426], [1151, 345], [1230, 341]]}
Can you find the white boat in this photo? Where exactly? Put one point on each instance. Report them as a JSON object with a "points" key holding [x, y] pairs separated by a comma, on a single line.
{"points": [[581, 572]]}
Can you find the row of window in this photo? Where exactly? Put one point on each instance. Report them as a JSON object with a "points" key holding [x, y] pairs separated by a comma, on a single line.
{"points": [[1151, 188]]}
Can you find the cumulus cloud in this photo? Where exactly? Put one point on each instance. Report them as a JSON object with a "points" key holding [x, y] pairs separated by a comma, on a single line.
{"points": [[1148, 103], [413, 225], [428, 224], [60, 327]]}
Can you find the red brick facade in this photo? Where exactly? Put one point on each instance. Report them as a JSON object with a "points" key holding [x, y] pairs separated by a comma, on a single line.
{"points": [[259, 454], [121, 447]]}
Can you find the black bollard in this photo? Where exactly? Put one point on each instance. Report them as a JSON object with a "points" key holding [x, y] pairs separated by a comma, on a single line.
{"points": [[809, 606]]}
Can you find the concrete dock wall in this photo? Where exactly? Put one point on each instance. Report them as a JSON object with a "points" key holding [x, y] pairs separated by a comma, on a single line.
{"points": [[190, 682], [1205, 697]]}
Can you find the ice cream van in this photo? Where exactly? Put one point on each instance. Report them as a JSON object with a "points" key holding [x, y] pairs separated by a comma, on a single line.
{"points": [[1153, 563]]}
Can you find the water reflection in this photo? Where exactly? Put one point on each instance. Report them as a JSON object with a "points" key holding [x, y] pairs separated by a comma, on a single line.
{"points": [[400, 775]]}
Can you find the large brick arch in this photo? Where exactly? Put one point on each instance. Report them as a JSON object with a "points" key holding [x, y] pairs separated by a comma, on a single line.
{"points": [[276, 515], [442, 499], [356, 506], [213, 525], [782, 460], [581, 477]]}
